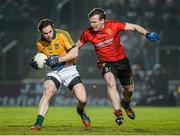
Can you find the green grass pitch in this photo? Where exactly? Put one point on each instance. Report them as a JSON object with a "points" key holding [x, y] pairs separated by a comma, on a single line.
{"points": [[65, 121]]}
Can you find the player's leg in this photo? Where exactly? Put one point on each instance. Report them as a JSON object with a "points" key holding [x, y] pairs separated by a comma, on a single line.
{"points": [[126, 78], [128, 92], [50, 86], [127, 95], [74, 83], [114, 96], [106, 71], [80, 94]]}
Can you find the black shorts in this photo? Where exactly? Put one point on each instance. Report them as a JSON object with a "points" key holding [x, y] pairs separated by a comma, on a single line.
{"points": [[121, 70]]}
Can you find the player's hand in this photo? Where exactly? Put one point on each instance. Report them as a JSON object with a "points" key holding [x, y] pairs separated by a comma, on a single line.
{"points": [[52, 61], [59, 66], [33, 63], [152, 36]]}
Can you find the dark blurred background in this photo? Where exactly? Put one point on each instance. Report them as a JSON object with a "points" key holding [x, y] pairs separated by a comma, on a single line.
{"points": [[156, 66]]}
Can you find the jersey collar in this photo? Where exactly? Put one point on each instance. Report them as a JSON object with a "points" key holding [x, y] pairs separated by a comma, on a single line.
{"points": [[54, 34]]}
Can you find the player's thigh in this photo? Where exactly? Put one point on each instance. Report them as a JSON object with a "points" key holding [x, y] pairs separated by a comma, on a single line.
{"points": [[79, 92], [110, 79], [49, 87], [55, 77], [107, 72], [123, 71]]}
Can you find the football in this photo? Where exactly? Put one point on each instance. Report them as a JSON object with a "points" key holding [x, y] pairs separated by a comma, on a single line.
{"points": [[40, 59]]}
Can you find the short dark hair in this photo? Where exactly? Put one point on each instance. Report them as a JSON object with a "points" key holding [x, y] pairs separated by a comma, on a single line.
{"points": [[44, 23], [97, 11]]}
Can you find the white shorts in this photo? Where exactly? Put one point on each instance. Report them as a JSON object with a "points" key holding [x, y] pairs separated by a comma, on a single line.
{"points": [[66, 75]]}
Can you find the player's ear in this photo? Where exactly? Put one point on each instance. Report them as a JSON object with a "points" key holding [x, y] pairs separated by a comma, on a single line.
{"points": [[52, 25], [103, 20]]}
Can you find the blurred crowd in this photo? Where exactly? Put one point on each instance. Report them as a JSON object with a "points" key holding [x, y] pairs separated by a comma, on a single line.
{"points": [[14, 9], [152, 86], [147, 12]]}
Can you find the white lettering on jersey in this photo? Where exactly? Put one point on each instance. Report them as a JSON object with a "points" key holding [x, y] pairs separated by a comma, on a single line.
{"points": [[104, 43]]}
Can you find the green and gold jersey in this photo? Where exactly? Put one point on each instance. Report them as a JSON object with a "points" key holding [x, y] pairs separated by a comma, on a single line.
{"points": [[60, 45]]}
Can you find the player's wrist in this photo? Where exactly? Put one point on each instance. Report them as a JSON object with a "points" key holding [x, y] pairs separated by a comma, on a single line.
{"points": [[57, 60], [60, 60], [146, 34]]}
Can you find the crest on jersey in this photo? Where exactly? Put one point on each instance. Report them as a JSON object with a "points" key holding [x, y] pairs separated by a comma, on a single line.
{"points": [[49, 48], [109, 31], [56, 46]]}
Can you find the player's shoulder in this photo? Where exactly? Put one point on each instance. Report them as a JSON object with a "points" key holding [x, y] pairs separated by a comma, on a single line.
{"points": [[113, 21], [115, 24], [61, 32], [41, 42]]}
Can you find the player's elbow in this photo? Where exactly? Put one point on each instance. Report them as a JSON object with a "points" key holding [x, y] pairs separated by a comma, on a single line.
{"points": [[130, 27]]}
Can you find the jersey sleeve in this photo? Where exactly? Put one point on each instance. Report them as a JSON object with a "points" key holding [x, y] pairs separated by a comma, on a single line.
{"points": [[68, 42], [84, 37], [39, 46], [120, 25]]}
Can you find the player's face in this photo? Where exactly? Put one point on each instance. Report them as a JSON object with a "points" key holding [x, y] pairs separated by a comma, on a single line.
{"points": [[47, 33], [96, 23]]}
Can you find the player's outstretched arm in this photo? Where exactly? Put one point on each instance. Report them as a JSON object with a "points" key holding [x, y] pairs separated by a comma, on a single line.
{"points": [[152, 36], [72, 54]]}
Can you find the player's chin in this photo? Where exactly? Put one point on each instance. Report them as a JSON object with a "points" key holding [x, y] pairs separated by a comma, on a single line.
{"points": [[95, 29], [49, 39]]}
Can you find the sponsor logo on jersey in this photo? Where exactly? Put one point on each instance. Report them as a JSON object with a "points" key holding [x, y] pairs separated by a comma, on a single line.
{"points": [[49, 48], [104, 43], [109, 31]]}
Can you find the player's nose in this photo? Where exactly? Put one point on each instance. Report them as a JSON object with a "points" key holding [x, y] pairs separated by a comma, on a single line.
{"points": [[92, 24]]}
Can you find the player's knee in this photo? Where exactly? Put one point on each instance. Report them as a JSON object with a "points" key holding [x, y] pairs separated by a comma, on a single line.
{"points": [[83, 101], [110, 82], [48, 91], [129, 88]]}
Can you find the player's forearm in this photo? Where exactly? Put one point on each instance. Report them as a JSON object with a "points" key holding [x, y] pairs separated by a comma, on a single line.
{"points": [[136, 28], [140, 30], [72, 54]]}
